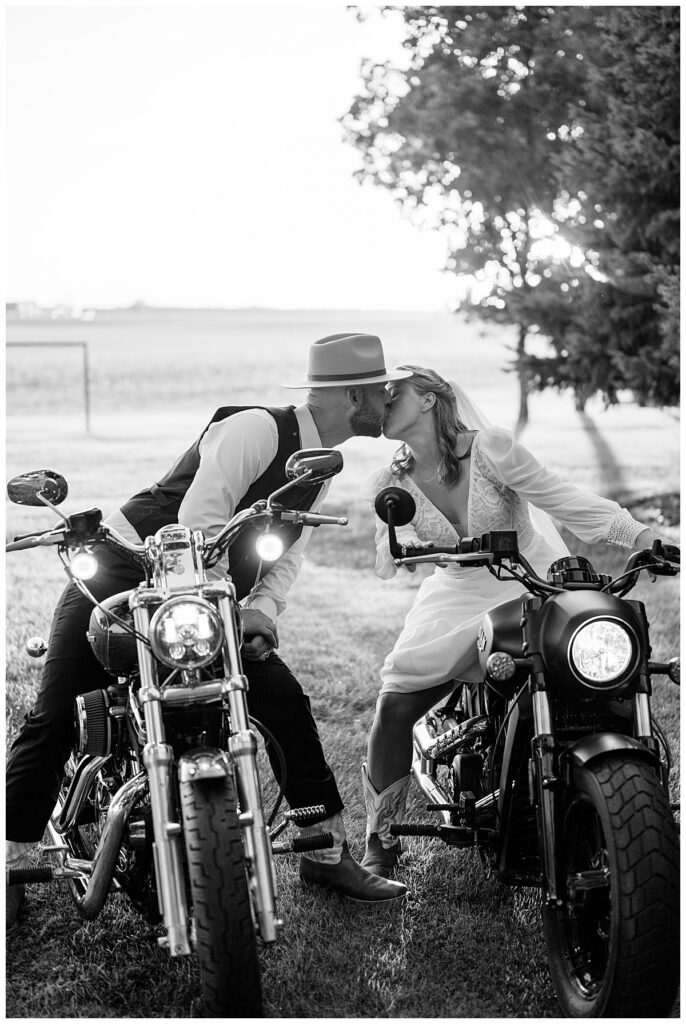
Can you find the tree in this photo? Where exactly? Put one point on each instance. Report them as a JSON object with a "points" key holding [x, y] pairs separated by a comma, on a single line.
{"points": [[620, 179], [468, 134], [477, 133]]}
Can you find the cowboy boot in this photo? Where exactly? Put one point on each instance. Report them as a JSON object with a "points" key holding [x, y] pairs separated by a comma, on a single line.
{"points": [[383, 810], [335, 868]]}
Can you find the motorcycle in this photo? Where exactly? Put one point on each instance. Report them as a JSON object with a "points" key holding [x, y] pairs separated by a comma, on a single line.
{"points": [[552, 767], [161, 798]]}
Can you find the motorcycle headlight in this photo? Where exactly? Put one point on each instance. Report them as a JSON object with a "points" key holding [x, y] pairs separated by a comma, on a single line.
{"points": [[601, 651], [269, 546], [83, 565], [186, 632]]}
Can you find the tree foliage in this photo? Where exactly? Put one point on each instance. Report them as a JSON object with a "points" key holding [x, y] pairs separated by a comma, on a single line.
{"points": [[620, 327], [499, 125]]}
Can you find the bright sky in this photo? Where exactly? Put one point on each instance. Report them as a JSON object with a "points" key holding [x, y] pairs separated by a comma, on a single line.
{"points": [[192, 156]]}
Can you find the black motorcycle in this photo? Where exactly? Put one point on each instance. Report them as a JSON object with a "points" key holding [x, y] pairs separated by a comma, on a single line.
{"points": [[554, 769], [161, 798]]}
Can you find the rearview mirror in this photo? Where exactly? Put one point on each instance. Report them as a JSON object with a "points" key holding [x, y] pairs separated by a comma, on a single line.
{"points": [[314, 464], [396, 502], [37, 488]]}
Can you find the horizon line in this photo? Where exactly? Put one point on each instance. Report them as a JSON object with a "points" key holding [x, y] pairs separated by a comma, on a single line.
{"points": [[12, 305]]}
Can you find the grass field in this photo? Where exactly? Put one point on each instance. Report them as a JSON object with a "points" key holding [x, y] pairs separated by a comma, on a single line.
{"points": [[461, 945]]}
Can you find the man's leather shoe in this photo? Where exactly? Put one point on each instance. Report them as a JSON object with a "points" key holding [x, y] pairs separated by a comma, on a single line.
{"points": [[379, 859], [351, 880]]}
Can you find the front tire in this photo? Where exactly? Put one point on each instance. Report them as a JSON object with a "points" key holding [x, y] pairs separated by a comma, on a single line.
{"points": [[613, 948], [224, 933]]}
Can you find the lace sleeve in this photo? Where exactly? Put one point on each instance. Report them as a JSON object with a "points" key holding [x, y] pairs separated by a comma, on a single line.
{"points": [[589, 516]]}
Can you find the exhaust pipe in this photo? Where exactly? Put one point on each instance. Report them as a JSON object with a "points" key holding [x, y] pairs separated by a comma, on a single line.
{"points": [[434, 745], [84, 774], [91, 889]]}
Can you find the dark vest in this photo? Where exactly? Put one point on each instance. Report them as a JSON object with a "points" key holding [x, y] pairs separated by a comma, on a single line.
{"points": [[158, 505]]}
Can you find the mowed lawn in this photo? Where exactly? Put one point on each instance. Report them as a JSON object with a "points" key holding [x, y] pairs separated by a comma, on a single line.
{"points": [[461, 945]]}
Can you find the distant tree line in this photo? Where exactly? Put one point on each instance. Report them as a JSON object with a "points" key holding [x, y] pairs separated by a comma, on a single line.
{"points": [[544, 143]]}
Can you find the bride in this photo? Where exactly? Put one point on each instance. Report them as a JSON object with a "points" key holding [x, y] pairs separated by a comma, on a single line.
{"points": [[466, 478]]}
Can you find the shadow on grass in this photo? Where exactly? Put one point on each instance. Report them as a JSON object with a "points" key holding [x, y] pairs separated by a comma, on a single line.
{"points": [[615, 484]]}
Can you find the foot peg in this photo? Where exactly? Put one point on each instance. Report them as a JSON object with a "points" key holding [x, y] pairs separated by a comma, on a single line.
{"points": [[427, 829], [29, 876], [452, 835], [301, 844], [304, 816]]}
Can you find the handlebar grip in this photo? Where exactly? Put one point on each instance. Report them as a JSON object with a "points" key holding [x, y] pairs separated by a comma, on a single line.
{"points": [[671, 552], [317, 519], [42, 539]]}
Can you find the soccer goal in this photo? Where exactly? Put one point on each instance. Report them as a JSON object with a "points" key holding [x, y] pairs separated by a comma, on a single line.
{"points": [[30, 381]]}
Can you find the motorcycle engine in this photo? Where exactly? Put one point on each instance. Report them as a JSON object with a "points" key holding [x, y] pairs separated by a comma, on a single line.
{"points": [[112, 644]]}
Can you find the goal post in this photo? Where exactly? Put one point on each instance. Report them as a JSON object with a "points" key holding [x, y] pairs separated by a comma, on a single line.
{"points": [[83, 345]]}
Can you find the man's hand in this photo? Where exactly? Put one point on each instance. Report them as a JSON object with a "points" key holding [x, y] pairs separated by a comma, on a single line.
{"points": [[261, 635]]}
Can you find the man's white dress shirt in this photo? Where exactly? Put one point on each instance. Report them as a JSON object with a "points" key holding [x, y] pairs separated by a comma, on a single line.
{"points": [[234, 453]]}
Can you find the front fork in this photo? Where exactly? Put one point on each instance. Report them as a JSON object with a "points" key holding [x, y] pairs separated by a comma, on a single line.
{"points": [[547, 782], [159, 761], [546, 786], [242, 750], [158, 758]]}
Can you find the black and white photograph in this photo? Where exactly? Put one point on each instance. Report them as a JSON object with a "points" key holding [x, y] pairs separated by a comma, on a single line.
{"points": [[342, 511]]}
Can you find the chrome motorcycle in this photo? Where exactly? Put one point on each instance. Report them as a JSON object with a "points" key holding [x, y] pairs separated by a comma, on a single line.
{"points": [[553, 768], [161, 798]]}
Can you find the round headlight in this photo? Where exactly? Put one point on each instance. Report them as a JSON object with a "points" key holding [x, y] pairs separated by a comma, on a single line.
{"points": [[186, 632], [601, 651]]}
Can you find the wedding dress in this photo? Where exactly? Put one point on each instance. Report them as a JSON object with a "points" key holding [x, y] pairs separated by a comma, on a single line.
{"points": [[438, 640]]}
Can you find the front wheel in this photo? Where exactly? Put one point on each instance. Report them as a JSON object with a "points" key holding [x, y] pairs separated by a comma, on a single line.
{"points": [[613, 948], [224, 933]]}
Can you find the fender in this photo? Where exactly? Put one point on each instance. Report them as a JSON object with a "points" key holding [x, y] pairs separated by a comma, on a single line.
{"points": [[204, 763], [589, 747]]}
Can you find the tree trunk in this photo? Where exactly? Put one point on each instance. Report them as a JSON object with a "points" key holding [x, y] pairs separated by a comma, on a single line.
{"points": [[523, 417]]}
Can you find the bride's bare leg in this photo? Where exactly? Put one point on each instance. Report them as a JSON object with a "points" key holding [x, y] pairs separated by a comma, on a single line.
{"points": [[385, 777], [389, 748]]}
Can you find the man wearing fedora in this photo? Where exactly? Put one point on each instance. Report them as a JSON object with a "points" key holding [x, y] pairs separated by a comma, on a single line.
{"points": [[239, 458]]}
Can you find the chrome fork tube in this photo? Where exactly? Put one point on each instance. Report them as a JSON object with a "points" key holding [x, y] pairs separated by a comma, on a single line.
{"points": [[543, 719], [242, 749], [158, 758], [643, 725], [543, 751]]}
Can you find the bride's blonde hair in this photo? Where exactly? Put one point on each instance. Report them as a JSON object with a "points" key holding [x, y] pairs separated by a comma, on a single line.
{"points": [[447, 423]]}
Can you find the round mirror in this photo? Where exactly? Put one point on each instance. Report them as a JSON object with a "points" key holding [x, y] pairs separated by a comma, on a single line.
{"points": [[401, 502]]}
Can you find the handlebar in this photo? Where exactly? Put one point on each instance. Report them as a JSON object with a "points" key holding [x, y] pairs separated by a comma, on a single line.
{"points": [[103, 533], [261, 511], [659, 560], [36, 540], [312, 519]]}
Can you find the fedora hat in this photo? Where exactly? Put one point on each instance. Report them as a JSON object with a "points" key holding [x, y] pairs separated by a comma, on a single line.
{"points": [[342, 359]]}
